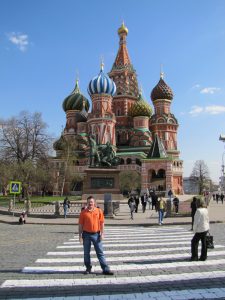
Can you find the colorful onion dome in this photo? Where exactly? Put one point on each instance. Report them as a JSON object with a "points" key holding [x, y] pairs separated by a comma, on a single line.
{"points": [[81, 116], [140, 108], [75, 100], [161, 90], [123, 29], [102, 84], [59, 144]]}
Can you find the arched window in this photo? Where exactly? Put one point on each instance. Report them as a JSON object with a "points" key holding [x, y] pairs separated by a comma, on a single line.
{"points": [[138, 162], [122, 161], [129, 161]]}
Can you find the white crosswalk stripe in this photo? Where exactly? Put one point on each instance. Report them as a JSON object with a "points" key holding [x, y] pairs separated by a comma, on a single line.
{"points": [[139, 256], [131, 251]]}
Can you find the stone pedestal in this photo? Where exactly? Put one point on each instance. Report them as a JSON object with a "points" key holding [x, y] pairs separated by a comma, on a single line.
{"points": [[102, 184], [99, 181]]}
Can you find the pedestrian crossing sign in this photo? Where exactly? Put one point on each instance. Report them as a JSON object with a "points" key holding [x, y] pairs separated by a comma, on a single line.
{"points": [[15, 187]]}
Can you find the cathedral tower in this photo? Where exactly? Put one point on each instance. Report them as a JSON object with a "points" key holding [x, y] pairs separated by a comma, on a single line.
{"points": [[101, 120], [163, 123], [124, 76]]}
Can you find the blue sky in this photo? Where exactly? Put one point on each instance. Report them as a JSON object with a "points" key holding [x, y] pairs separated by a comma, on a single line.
{"points": [[43, 44]]}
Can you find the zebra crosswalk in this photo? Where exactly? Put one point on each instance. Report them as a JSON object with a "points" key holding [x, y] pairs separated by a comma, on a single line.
{"points": [[148, 262]]}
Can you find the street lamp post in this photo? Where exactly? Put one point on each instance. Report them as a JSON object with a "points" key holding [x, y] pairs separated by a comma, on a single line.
{"points": [[222, 178]]}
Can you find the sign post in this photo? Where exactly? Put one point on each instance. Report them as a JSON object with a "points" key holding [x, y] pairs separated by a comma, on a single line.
{"points": [[14, 189]]}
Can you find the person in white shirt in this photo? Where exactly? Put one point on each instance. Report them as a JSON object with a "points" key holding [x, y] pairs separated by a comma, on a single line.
{"points": [[200, 228]]}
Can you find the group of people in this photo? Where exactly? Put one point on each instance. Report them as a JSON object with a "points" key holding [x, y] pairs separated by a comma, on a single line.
{"points": [[91, 227], [218, 197], [156, 202], [91, 230]]}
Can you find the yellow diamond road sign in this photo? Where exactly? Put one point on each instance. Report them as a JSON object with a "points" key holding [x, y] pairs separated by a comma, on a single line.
{"points": [[15, 187]]}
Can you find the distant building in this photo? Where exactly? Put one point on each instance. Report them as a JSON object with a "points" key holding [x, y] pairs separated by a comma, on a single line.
{"points": [[145, 141]]}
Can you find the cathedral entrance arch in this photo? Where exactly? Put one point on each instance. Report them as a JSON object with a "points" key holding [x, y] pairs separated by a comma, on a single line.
{"points": [[157, 179]]}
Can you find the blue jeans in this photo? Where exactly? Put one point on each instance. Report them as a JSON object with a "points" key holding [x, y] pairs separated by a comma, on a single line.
{"points": [[94, 238], [161, 215], [65, 207]]}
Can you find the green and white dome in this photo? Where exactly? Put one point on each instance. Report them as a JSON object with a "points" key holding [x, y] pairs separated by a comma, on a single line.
{"points": [[140, 108]]}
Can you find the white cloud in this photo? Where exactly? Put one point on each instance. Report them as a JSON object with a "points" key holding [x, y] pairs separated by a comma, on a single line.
{"points": [[196, 110], [20, 40], [210, 90], [196, 86], [211, 110], [215, 109]]}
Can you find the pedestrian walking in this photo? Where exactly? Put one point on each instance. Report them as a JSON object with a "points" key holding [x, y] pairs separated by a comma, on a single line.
{"points": [[66, 206], [144, 199], [217, 197], [170, 194], [176, 204], [137, 201], [91, 231], [201, 227], [161, 208], [149, 201], [221, 197], [154, 200], [193, 210], [132, 206]]}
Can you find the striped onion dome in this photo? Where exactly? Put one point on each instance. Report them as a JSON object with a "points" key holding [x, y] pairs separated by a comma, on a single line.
{"points": [[75, 101], [101, 84], [140, 108], [161, 90]]}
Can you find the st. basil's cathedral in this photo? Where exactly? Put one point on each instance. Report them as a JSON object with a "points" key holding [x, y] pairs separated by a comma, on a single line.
{"points": [[144, 140]]}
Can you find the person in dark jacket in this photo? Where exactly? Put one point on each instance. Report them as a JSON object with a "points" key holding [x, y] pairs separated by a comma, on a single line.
{"points": [[137, 201], [193, 210], [66, 205], [222, 197], [154, 200], [144, 199], [132, 206], [176, 204]]}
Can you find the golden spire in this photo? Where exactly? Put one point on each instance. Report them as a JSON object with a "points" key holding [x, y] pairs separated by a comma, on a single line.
{"points": [[123, 29], [77, 89]]}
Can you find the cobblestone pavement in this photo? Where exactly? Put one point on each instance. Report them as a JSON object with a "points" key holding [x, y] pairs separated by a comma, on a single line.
{"points": [[39, 261]]}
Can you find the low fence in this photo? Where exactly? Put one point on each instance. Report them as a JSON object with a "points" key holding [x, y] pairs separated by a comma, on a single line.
{"points": [[54, 209]]}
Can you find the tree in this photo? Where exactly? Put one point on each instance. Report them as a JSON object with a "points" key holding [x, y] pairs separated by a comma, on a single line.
{"points": [[129, 180], [24, 138], [67, 146], [24, 144], [200, 173]]}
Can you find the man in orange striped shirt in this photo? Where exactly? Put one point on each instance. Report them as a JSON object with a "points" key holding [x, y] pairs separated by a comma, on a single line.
{"points": [[91, 230]]}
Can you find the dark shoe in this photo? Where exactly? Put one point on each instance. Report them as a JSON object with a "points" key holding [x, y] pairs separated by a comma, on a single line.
{"points": [[194, 259], [202, 258], [88, 271], [107, 273]]}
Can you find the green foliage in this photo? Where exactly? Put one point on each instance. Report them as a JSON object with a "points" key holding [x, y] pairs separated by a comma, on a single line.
{"points": [[129, 180]]}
